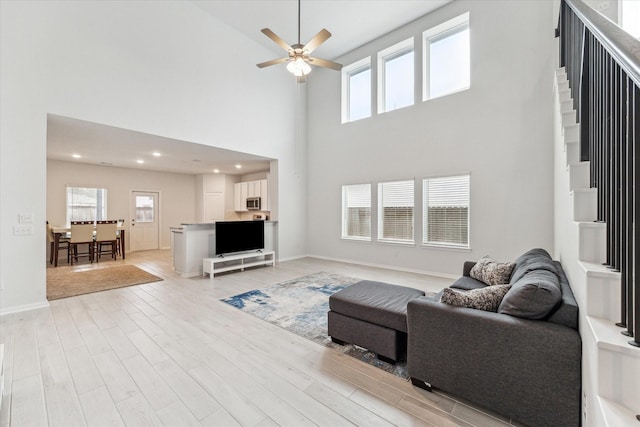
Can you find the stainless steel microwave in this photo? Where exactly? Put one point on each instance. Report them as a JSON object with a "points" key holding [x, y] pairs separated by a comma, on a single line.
{"points": [[253, 203]]}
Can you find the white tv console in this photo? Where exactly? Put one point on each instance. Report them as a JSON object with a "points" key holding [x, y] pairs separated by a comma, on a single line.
{"points": [[239, 261]]}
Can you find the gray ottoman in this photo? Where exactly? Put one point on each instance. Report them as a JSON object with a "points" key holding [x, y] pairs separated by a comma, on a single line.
{"points": [[372, 315]]}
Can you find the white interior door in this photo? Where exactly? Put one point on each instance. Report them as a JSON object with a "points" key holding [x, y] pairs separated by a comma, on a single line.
{"points": [[144, 221], [213, 207]]}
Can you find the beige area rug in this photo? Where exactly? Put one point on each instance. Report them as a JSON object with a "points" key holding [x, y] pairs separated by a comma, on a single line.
{"points": [[63, 282]]}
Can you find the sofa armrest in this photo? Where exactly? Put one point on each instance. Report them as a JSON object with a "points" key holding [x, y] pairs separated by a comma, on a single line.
{"points": [[527, 369], [466, 268]]}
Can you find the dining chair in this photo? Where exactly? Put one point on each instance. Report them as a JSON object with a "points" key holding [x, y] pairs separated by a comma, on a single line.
{"points": [[81, 234], [63, 244], [106, 234], [119, 245]]}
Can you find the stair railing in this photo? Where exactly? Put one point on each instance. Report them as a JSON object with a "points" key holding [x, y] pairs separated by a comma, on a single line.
{"points": [[603, 68]]}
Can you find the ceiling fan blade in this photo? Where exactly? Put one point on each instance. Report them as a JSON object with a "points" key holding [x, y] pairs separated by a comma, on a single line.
{"points": [[326, 64], [317, 40], [273, 36], [272, 62]]}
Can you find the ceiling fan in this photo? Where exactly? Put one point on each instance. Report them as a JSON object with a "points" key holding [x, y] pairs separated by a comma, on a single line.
{"points": [[299, 58]]}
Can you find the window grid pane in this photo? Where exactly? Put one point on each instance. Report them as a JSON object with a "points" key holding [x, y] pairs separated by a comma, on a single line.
{"points": [[86, 204], [398, 81], [360, 94], [396, 211], [446, 211], [356, 211], [449, 62]]}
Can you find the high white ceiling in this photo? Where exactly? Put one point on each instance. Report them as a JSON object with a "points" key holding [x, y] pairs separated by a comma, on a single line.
{"points": [[352, 23]]}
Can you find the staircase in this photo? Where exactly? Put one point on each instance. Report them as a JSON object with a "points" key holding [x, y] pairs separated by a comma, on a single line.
{"points": [[610, 366]]}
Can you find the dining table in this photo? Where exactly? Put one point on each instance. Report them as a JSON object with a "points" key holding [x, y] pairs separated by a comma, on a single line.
{"points": [[59, 231]]}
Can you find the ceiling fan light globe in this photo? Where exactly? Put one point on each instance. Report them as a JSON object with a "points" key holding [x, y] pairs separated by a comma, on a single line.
{"points": [[299, 67]]}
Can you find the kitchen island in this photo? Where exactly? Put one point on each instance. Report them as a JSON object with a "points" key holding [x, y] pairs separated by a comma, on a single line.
{"points": [[191, 243]]}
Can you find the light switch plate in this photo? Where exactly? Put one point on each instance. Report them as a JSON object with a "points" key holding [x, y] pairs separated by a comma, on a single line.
{"points": [[25, 218], [23, 230]]}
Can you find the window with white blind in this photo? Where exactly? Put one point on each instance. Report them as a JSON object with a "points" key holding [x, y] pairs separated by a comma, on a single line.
{"points": [[356, 212], [356, 91], [446, 211], [395, 211], [86, 204], [446, 58], [395, 76]]}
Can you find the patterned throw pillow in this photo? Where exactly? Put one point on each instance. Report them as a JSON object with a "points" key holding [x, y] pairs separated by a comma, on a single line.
{"points": [[487, 299], [488, 271]]}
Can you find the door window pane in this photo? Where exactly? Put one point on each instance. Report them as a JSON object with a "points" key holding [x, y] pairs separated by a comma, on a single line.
{"points": [[144, 209]]}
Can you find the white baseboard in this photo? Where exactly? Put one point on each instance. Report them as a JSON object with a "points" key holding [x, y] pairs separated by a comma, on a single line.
{"points": [[26, 307], [388, 267]]}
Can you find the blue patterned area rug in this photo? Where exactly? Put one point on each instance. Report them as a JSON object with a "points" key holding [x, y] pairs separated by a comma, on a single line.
{"points": [[300, 306]]}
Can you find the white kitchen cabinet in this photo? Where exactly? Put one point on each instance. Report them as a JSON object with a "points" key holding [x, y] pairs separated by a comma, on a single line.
{"points": [[240, 190], [264, 195], [253, 188]]}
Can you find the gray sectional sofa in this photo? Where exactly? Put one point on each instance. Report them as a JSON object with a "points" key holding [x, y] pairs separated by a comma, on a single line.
{"points": [[523, 361]]}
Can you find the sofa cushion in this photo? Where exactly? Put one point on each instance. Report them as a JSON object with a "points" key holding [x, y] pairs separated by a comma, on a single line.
{"points": [[567, 312], [487, 298], [535, 259], [467, 283], [375, 302], [534, 296], [491, 272]]}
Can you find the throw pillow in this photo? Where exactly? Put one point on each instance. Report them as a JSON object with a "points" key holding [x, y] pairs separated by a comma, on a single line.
{"points": [[487, 299], [488, 271], [534, 296]]}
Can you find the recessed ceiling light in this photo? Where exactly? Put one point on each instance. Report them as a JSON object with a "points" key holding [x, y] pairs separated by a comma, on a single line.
{"points": [[156, 154], [216, 171], [140, 161], [238, 166], [76, 156]]}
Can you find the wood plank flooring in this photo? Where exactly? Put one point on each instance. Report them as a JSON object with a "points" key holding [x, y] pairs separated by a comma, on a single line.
{"points": [[170, 353]]}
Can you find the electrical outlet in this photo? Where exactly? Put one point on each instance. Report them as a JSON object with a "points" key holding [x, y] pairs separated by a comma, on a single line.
{"points": [[22, 230]]}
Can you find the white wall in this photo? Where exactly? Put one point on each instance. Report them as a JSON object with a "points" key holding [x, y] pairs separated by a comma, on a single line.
{"points": [[163, 68], [177, 192], [500, 131]]}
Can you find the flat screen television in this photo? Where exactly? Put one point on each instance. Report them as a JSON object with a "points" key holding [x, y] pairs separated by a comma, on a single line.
{"points": [[239, 236]]}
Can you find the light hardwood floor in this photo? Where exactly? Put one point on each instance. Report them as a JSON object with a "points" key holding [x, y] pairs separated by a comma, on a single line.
{"points": [[170, 353]]}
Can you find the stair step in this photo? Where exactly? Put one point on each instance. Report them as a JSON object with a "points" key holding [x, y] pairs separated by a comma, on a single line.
{"points": [[592, 242], [569, 118], [561, 71], [563, 86], [585, 204], [603, 291], [566, 106], [579, 175], [572, 149], [618, 365], [615, 415], [571, 132]]}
